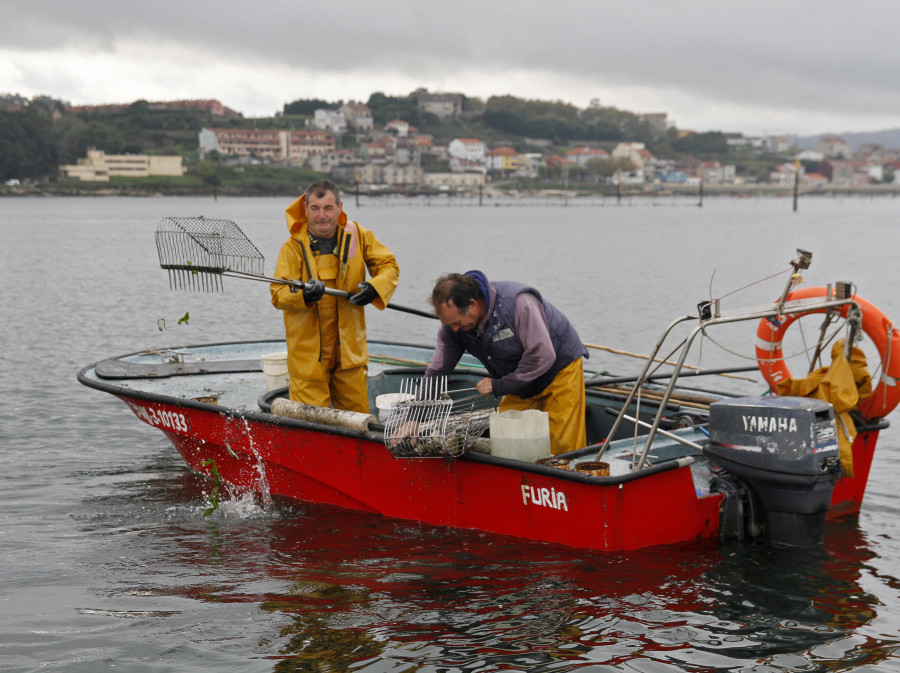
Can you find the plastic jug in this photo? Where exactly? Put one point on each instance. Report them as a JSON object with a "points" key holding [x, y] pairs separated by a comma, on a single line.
{"points": [[274, 365], [384, 403], [520, 435]]}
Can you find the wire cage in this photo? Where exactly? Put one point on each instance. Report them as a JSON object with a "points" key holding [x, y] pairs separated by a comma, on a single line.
{"points": [[436, 422], [198, 251]]}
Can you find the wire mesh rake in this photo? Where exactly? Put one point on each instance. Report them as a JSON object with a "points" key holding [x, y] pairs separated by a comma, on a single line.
{"points": [[435, 421], [198, 251]]}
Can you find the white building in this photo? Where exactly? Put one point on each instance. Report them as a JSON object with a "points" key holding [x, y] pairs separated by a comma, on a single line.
{"points": [[834, 147], [530, 165], [471, 149], [786, 174], [275, 145], [400, 127], [502, 159], [447, 181], [358, 116], [441, 105], [467, 155], [810, 155], [330, 120], [582, 155], [634, 152], [100, 167], [402, 174], [776, 144]]}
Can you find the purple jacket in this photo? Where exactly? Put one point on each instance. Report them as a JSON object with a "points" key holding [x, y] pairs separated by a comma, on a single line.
{"points": [[522, 353]]}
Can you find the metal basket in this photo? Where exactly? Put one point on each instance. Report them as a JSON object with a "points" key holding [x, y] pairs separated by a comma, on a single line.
{"points": [[436, 422]]}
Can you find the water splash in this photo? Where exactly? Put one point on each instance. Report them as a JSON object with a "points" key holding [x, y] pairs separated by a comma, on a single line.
{"points": [[262, 484], [241, 506]]}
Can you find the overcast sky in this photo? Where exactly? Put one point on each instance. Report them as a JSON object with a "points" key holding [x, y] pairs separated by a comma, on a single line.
{"points": [[786, 67]]}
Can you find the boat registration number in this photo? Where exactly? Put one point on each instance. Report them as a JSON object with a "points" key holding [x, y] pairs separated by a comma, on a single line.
{"points": [[161, 418]]}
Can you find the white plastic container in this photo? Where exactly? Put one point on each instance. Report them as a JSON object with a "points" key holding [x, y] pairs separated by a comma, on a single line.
{"points": [[386, 402], [520, 435], [274, 365]]}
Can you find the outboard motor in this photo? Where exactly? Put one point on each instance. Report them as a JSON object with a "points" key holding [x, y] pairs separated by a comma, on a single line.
{"points": [[785, 450]]}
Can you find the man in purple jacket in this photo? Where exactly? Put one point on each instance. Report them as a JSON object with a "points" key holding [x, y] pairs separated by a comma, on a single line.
{"points": [[530, 349]]}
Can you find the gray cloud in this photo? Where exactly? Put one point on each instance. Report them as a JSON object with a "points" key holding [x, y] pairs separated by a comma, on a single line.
{"points": [[796, 60]]}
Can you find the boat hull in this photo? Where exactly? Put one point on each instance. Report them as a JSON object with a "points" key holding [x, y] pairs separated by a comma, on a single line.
{"points": [[206, 399], [281, 457]]}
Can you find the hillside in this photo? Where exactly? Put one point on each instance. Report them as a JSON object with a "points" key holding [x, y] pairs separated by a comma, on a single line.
{"points": [[889, 138], [38, 136]]}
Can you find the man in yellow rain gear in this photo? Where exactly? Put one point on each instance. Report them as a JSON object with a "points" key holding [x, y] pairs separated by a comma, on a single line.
{"points": [[326, 335]]}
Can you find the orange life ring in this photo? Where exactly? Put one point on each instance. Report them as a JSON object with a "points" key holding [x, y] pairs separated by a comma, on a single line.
{"points": [[877, 327]]}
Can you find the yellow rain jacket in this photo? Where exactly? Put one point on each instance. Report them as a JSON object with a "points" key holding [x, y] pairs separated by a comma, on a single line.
{"points": [[332, 322], [845, 384]]}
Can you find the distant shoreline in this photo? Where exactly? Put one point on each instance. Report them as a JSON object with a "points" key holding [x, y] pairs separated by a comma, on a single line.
{"points": [[490, 192]]}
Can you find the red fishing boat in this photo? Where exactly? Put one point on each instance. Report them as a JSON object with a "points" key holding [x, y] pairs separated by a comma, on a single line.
{"points": [[678, 463]]}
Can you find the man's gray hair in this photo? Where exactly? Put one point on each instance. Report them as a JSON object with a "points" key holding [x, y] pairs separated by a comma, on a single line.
{"points": [[321, 187], [456, 289]]}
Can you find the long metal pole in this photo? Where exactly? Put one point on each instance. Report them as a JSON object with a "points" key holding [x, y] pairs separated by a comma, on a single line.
{"points": [[299, 284]]}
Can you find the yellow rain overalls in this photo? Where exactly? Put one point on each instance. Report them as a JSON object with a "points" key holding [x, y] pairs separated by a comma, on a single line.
{"points": [[327, 351], [564, 401], [845, 384]]}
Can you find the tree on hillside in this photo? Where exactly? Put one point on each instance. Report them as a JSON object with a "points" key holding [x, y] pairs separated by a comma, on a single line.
{"points": [[308, 106], [138, 107], [533, 109], [27, 149], [504, 121], [551, 120], [73, 137], [472, 105], [211, 175], [559, 121], [709, 143], [387, 108], [609, 166], [553, 128], [137, 129]]}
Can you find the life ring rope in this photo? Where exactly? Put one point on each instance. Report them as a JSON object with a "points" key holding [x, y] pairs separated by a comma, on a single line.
{"points": [[881, 331], [767, 345]]}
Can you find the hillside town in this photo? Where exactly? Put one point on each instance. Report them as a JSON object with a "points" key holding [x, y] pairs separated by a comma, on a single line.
{"points": [[345, 143], [393, 155]]}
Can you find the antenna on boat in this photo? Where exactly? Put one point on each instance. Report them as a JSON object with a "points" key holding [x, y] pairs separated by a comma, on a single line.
{"points": [[801, 261]]}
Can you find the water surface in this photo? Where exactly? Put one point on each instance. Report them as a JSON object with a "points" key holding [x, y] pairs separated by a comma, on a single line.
{"points": [[108, 562]]}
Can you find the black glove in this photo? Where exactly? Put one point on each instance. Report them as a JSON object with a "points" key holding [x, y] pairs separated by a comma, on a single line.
{"points": [[365, 295], [313, 291]]}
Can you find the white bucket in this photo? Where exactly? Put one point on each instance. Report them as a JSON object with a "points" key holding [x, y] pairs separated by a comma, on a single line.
{"points": [[274, 365], [387, 401], [520, 435]]}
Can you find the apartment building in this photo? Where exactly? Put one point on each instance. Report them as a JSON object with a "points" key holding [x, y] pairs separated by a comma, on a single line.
{"points": [[466, 155], [100, 167], [273, 145], [358, 116], [441, 105], [303, 145], [502, 160], [330, 120], [580, 156]]}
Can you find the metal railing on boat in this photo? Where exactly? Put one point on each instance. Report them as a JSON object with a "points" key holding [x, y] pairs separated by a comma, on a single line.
{"points": [[719, 318]]}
